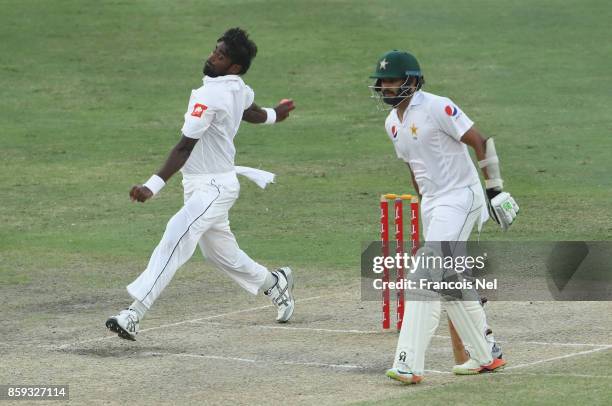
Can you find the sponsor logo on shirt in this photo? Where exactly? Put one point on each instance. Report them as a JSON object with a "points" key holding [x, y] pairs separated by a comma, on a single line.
{"points": [[394, 131], [198, 110], [451, 110]]}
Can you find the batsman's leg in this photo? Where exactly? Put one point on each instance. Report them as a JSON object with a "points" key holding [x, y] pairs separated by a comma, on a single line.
{"points": [[451, 219], [421, 318], [469, 324]]}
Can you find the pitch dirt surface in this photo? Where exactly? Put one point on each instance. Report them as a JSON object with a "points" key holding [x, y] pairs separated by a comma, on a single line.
{"points": [[225, 348], [92, 97]]}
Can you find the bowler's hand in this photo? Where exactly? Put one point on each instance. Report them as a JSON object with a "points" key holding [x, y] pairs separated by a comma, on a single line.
{"points": [[283, 108], [140, 193]]}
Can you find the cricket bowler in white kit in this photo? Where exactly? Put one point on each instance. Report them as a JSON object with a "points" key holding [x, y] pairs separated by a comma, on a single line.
{"points": [[431, 134], [205, 155]]}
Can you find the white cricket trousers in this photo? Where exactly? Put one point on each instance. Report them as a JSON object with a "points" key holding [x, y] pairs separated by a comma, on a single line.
{"points": [[447, 218], [203, 220], [452, 216]]}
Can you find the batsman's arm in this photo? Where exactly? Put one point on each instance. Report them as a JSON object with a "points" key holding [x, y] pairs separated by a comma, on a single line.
{"points": [[258, 115], [474, 139], [502, 206], [175, 161]]}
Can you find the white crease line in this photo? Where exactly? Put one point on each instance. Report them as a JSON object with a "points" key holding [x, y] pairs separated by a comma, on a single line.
{"points": [[199, 320], [321, 364], [542, 343], [216, 316], [348, 331], [555, 344], [501, 373], [323, 330], [575, 354], [348, 366], [561, 375], [253, 361], [218, 357], [438, 372]]}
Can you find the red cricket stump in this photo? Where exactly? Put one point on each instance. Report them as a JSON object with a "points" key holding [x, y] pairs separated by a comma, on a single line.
{"points": [[414, 221], [384, 239], [399, 241], [414, 242]]}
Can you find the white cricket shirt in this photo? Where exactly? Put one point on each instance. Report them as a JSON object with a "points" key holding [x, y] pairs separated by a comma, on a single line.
{"points": [[428, 139], [213, 117]]}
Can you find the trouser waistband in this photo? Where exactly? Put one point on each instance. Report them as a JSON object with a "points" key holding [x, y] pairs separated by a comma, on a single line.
{"points": [[224, 177]]}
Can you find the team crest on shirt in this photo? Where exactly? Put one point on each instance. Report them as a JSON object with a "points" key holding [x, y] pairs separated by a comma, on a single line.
{"points": [[198, 110], [394, 131], [451, 110], [413, 130]]}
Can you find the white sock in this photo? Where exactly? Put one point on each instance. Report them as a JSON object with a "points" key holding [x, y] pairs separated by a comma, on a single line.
{"points": [[270, 281], [139, 308]]}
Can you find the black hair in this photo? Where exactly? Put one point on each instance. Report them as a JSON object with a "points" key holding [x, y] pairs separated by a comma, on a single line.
{"points": [[240, 48]]}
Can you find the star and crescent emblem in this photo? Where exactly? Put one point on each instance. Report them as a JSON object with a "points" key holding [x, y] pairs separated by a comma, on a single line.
{"points": [[413, 130], [383, 64]]}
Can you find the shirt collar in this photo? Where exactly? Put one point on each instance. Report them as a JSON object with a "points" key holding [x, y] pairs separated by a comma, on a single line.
{"points": [[417, 98], [220, 78]]}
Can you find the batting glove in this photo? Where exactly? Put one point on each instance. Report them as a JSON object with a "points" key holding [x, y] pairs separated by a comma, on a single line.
{"points": [[502, 207]]}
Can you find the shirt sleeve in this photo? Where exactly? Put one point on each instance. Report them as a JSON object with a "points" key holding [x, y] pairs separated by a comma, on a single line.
{"points": [[249, 97], [199, 116], [451, 119]]}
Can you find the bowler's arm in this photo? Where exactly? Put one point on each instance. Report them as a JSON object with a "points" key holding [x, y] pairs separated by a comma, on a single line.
{"points": [[257, 115], [175, 161], [177, 157]]}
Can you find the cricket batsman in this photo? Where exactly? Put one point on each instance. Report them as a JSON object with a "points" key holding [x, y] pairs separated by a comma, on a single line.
{"points": [[205, 155], [431, 134]]}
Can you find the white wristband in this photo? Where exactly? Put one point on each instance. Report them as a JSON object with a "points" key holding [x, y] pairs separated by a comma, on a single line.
{"points": [[494, 183], [271, 118], [155, 184]]}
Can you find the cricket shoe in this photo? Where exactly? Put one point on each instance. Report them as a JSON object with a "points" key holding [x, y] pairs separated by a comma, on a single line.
{"points": [[471, 367], [125, 324], [281, 294], [403, 376]]}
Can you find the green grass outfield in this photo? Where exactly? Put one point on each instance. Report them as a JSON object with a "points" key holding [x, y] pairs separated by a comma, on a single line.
{"points": [[92, 95]]}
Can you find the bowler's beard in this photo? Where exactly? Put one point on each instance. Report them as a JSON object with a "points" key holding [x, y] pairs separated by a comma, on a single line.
{"points": [[209, 70]]}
